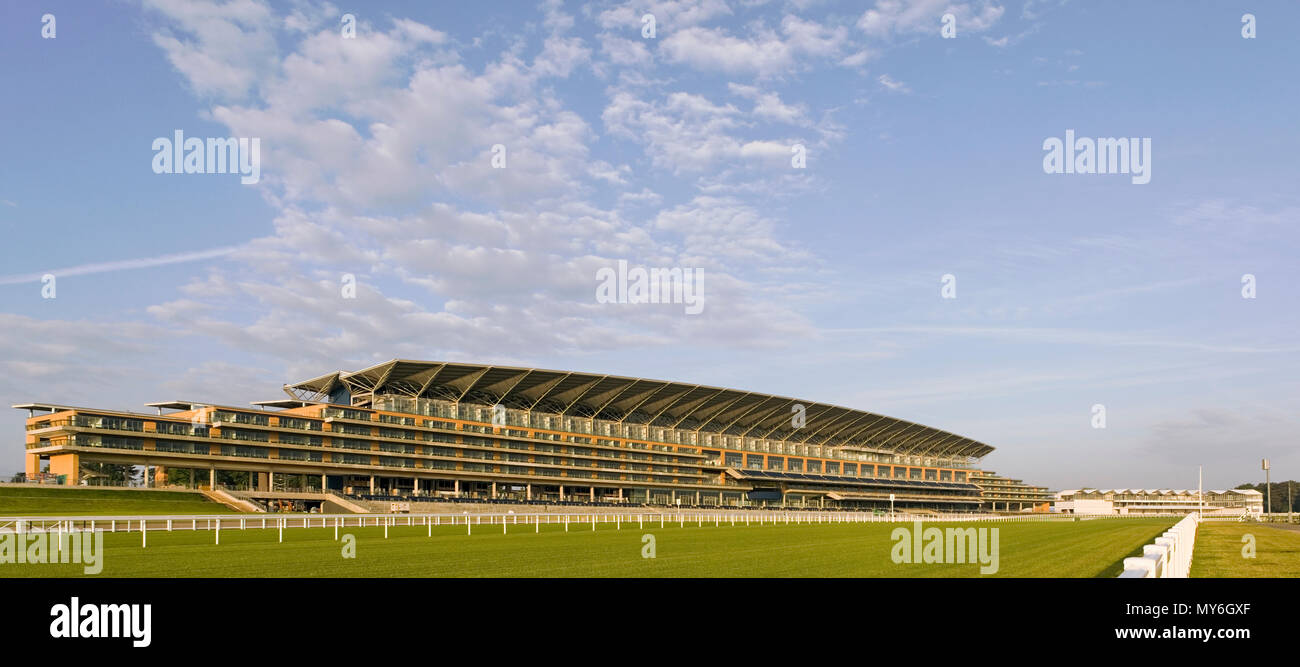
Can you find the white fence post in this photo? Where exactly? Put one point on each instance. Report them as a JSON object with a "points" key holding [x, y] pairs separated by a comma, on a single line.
{"points": [[1170, 556]]}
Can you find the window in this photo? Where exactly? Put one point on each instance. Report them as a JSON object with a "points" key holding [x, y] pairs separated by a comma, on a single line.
{"points": [[352, 429], [181, 447], [395, 462], [304, 424], [246, 452], [241, 434], [241, 418], [775, 463], [110, 441], [348, 443], [295, 439], [344, 413], [111, 423], [172, 428]]}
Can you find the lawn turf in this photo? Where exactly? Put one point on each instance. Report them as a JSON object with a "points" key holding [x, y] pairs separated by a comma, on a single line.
{"points": [[1219, 551], [1031, 549], [79, 501]]}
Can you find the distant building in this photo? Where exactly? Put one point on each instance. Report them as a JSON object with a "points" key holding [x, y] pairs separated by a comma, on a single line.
{"points": [[1230, 502], [1003, 494]]}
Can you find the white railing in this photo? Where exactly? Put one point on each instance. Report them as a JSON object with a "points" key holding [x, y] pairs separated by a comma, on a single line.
{"points": [[1170, 556], [198, 522]]}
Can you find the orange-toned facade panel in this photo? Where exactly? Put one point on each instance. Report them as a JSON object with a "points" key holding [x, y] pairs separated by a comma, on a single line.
{"points": [[66, 464]]}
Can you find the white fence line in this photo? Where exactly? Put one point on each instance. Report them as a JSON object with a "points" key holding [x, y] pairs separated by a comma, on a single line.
{"points": [[214, 522], [1170, 556]]}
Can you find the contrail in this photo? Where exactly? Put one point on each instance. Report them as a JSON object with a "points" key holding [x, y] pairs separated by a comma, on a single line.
{"points": [[123, 265]]}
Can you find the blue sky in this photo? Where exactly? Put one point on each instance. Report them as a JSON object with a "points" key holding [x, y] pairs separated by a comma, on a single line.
{"points": [[924, 158]]}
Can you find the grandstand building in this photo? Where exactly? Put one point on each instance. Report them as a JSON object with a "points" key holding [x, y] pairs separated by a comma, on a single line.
{"points": [[417, 429], [1005, 494], [1230, 502]]}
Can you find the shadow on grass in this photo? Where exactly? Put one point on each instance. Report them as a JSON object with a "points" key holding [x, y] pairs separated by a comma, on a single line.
{"points": [[1114, 569]]}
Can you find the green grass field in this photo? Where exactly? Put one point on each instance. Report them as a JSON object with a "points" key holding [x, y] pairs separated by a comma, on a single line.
{"points": [[47, 500], [1051, 549], [1219, 551]]}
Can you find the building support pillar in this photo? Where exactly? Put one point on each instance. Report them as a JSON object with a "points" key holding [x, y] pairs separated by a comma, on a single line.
{"points": [[528, 491], [372, 485], [212, 479]]}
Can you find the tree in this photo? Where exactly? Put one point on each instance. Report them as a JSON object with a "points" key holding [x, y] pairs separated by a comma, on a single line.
{"points": [[1279, 495], [110, 474]]}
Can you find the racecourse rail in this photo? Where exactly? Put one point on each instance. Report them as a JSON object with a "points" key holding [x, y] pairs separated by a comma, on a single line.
{"points": [[1170, 556], [506, 520]]}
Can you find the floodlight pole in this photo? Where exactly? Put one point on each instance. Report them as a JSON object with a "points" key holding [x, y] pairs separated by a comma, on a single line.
{"points": [[1268, 492], [1200, 492]]}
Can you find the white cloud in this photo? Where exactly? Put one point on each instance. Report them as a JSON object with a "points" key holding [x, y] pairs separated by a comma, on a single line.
{"points": [[893, 86], [621, 51], [890, 17], [222, 48], [670, 15], [764, 52]]}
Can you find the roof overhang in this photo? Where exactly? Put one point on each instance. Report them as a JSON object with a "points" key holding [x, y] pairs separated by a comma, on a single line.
{"points": [[177, 405], [679, 405], [47, 407], [284, 403]]}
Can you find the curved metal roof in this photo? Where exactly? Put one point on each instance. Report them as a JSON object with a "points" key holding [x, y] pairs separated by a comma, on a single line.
{"points": [[643, 401]]}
